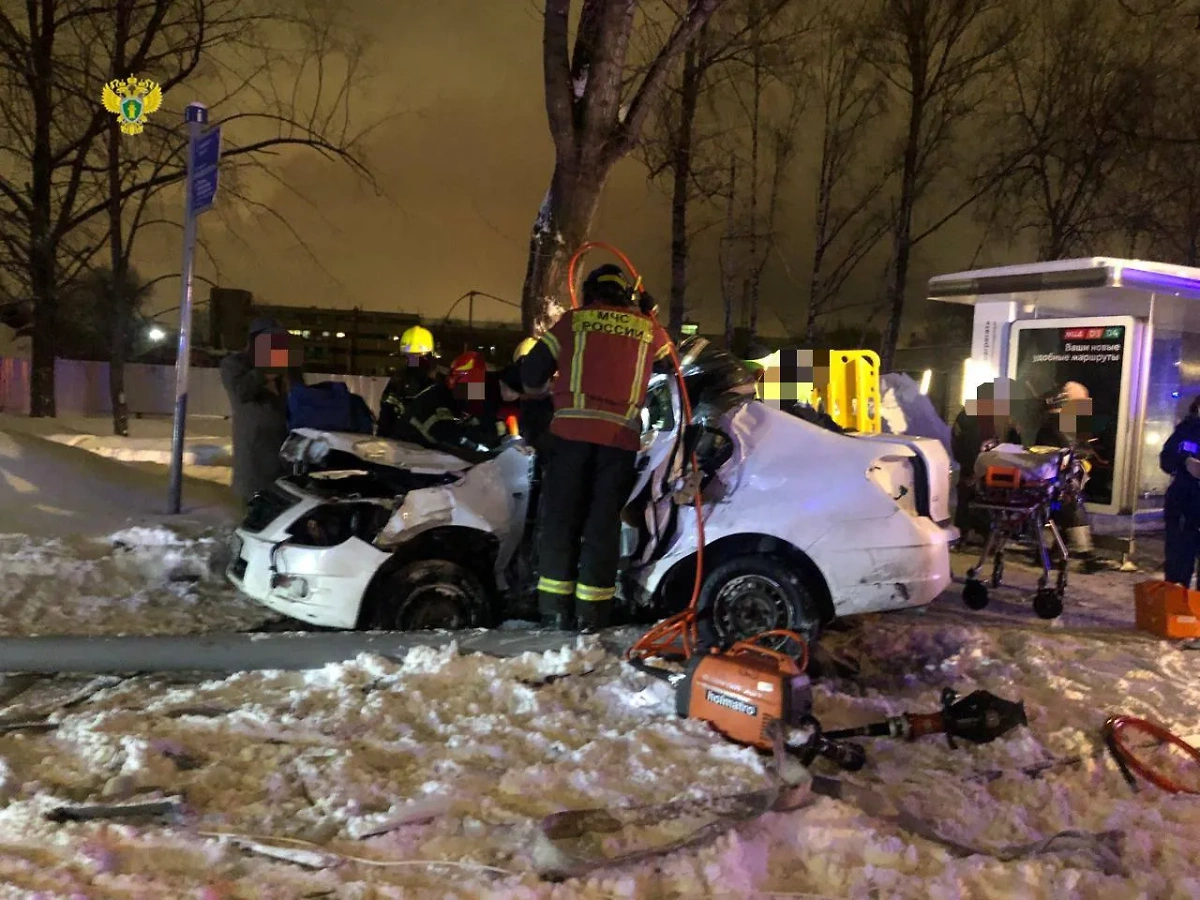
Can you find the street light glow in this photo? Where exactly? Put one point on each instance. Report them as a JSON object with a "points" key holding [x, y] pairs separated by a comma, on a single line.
{"points": [[156, 334]]}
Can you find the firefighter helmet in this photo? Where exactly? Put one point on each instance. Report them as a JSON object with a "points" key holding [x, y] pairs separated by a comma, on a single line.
{"points": [[416, 341], [608, 285], [468, 368], [523, 348]]}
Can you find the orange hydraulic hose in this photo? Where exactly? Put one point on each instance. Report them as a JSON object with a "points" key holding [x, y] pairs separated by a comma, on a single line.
{"points": [[683, 624], [1115, 733]]}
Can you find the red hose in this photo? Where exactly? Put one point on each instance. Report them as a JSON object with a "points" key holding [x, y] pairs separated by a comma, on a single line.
{"points": [[681, 626], [1114, 730]]}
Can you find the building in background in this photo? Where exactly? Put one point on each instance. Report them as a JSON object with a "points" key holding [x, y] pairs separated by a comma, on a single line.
{"points": [[354, 341]]}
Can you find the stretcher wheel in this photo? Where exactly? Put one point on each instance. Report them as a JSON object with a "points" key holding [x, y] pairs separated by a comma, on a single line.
{"points": [[975, 594], [1047, 603]]}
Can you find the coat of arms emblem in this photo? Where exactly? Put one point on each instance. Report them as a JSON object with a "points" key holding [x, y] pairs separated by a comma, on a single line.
{"points": [[131, 101]]}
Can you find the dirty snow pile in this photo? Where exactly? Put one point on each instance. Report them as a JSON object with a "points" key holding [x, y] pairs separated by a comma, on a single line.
{"points": [[84, 548], [428, 777], [138, 580]]}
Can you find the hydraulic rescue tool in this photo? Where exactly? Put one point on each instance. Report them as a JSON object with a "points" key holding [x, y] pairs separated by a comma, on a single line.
{"points": [[980, 717], [748, 692]]}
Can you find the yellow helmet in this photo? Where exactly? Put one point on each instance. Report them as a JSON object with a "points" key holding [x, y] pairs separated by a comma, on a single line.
{"points": [[524, 347], [416, 341]]}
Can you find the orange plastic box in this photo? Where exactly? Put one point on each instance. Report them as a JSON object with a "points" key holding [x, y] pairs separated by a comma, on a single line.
{"points": [[1167, 610]]}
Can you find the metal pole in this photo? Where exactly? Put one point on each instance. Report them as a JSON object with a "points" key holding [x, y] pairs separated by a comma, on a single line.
{"points": [[196, 116]]}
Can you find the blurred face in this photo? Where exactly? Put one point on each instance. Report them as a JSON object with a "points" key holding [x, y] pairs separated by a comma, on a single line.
{"points": [[469, 391], [787, 376], [1075, 416], [277, 351], [995, 404]]}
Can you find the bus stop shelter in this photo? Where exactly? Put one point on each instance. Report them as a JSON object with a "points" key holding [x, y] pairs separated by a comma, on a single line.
{"points": [[1128, 330]]}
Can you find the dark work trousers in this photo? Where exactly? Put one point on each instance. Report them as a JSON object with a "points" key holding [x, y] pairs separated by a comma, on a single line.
{"points": [[585, 488], [1182, 543]]}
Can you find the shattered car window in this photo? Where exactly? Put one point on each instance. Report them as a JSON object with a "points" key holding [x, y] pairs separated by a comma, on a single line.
{"points": [[717, 381], [658, 414]]}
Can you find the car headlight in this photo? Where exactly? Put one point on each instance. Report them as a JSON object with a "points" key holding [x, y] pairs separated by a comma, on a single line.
{"points": [[333, 524], [292, 450], [373, 450]]}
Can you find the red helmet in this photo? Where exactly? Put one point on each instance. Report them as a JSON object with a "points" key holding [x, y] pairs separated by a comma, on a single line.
{"points": [[467, 368]]}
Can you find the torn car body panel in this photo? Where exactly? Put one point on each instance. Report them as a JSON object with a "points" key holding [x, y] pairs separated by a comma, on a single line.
{"points": [[820, 492]]}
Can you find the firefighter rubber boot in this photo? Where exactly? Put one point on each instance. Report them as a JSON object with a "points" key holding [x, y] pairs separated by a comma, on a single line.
{"points": [[593, 615], [557, 611]]}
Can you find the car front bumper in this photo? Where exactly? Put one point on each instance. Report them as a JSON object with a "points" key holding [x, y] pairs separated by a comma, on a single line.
{"points": [[323, 586]]}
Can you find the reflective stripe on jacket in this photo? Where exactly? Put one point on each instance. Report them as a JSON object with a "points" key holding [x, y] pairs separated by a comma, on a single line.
{"points": [[605, 356]]}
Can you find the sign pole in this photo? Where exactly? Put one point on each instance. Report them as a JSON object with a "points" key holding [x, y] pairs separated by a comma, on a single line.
{"points": [[197, 201]]}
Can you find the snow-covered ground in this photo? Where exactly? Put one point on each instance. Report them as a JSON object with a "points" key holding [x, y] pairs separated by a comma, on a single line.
{"points": [[456, 758], [208, 447]]}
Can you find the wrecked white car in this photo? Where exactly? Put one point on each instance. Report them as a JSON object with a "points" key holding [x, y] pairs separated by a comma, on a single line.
{"points": [[801, 524]]}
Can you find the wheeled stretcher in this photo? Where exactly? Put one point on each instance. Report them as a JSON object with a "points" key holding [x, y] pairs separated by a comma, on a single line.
{"points": [[1019, 489]]}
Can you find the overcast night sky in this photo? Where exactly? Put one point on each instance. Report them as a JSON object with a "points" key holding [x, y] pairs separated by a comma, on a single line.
{"points": [[465, 171]]}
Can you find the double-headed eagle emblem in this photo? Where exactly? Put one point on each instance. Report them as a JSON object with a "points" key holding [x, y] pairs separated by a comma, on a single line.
{"points": [[131, 101]]}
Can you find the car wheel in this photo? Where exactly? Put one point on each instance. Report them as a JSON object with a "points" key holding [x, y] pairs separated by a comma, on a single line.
{"points": [[746, 596], [430, 594]]}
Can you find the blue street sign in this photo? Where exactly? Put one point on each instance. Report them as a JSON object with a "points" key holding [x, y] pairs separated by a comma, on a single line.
{"points": [[206, 156]]}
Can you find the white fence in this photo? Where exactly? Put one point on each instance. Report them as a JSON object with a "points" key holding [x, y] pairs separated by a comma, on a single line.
{"points": [[81, 388]]}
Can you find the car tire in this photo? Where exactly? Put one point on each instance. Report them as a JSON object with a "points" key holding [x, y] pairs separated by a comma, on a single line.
{"points": [[748, 595], [430, 594]]}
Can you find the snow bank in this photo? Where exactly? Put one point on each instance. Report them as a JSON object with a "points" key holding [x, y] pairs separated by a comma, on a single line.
{"points": [[141, 580], [51, 490], [197, 451]]}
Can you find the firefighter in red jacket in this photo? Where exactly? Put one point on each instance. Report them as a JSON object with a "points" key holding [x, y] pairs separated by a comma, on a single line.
{"points": [[604, 354]]}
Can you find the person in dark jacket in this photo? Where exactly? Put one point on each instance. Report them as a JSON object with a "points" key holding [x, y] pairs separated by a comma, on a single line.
{"points": [[535, 412], [415, 373], [1065, 424], [257, 389], [990, 417], [1180, 458], [604, 355]]}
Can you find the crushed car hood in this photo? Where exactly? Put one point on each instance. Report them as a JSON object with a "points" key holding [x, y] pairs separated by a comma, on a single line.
{"points": [[314, 447]]}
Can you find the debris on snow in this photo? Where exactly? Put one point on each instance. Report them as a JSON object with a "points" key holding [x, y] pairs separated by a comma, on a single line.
{"points": [[430, 776]]}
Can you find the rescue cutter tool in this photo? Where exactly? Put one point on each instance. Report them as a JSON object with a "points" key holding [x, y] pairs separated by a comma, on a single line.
{"points": [[980, 718]]}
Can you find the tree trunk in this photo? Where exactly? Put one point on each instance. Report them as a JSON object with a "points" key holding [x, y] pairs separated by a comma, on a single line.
{"points": [[118, 289], [561, 228], [727, 280], [42, 246], [902, 235], [681, 168], [751, 287], [821, 240]]}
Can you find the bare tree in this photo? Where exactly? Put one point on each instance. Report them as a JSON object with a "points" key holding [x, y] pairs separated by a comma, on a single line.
{"points": [[89, 303], [57, 210], [936, 55], [687, 142], [770, 86], [674, 150], [596, 114], [849, 221], [1074, 78], [1154, 199]]}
